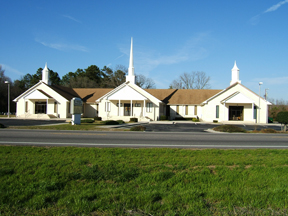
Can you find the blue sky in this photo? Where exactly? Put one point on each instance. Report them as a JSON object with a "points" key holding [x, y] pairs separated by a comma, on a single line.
{"points": [[170, 37]]}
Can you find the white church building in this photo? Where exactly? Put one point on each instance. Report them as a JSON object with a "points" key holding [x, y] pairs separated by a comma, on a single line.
{"points": [[235, 103]]}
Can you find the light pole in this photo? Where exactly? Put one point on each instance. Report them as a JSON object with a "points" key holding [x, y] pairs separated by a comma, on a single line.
{"points": [[266, 93], [260, 83], [7, 82]]}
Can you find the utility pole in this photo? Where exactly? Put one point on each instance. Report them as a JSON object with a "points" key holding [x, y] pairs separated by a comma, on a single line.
{"points": [[7, 82]]}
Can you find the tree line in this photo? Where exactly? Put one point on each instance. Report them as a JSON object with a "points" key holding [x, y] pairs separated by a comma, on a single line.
{"points": [[91, 77]]}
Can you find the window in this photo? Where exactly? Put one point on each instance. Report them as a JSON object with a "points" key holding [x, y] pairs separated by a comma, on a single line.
{"points": [[177, 109], [55, 107], [255, 112], [186, 110], [195, 110], [26, 106], [137, 105], [149, 107], [107, 106], [217, 111]]}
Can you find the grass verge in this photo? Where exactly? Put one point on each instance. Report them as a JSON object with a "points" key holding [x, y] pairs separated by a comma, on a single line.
{"points": [[94, 181]]}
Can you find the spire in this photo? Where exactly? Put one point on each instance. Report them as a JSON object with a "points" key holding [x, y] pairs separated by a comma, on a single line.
{"points": [[235, 74], [45, 75], [131, 77]]}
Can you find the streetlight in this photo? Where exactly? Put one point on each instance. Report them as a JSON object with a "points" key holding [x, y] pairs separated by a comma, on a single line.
{"points": [[7, 82], [260, 83], [266, 93]]}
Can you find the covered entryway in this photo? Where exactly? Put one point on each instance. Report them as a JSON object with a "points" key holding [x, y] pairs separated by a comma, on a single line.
{"points": [[236, 113], [40, 107], [127, 109]]}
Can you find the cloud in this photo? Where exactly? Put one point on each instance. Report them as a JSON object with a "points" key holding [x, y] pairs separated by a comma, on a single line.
{"points": [[62, 46], [256, 19], [71, 18], [273, 80], [276, 6], [120, 56], [191, 50], [9, 70]]}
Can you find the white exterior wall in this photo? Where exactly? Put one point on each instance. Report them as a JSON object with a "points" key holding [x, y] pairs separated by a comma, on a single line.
{"points": [[90, 110], [182, 110], [62, 103], [209, 110]]}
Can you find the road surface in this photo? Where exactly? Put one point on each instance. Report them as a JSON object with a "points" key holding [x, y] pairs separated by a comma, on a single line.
{"points": [[142, 139]]}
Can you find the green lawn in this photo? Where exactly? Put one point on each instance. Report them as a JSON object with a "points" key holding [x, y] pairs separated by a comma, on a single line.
{"points": [[112, 181]]}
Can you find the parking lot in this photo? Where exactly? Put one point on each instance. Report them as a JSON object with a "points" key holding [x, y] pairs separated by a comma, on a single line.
{"points": [[150, 127]]}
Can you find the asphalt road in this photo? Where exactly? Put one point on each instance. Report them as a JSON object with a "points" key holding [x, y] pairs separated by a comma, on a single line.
{"points": [[142, 139]]}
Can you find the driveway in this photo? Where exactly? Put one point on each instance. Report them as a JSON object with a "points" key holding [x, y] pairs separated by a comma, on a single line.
{"points": [[151, 127], [191, 127], [28, 122]]}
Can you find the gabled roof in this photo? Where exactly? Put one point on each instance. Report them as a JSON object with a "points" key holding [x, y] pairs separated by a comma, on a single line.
{"points": [[231, 86], [191, 96], [90, 95], [66, 92]]}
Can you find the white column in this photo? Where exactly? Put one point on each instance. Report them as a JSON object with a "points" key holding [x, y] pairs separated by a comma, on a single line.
{"points": [[131, 108], [119, 108], [144, 110], [224, 112], [253, 112]]}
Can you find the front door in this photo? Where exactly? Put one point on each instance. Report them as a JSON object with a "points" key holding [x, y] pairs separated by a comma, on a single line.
{"points": [[127, 109], [40, 107], [236, 113]]}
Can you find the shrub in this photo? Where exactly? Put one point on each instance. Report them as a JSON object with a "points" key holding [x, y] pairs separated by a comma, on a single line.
{"points": [[268, 130], [110, 122], [282, 117], [138, 128], [120, 121], [2, 126], [97, 118], [163, 117], [133, 119], [195, 119], [270, 120], [229, 128], [87, 120]]}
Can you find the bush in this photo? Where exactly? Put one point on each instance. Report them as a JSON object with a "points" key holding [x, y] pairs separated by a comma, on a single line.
{"points": [[138, 128], [110, 122], [282, 117], [2, 126], [163, 117], [97, 118], [270, 120], [120, 121], [229, 128], [133, 119], [87, 120], [268, 130], [195, 119]]}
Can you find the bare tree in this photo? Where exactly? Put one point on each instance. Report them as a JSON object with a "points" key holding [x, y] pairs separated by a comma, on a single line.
{"points": [[193, 80], [144, 82]]}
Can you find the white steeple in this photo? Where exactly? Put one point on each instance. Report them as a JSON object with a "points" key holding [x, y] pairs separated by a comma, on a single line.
{"points": [[131, 77], [235, 74], [45, 75]]}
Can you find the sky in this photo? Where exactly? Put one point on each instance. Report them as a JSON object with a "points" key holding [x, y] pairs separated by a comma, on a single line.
{"points": [[169, 38]]}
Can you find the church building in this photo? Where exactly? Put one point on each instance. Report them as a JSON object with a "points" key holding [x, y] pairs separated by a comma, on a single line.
{"points": [[235, 103]]}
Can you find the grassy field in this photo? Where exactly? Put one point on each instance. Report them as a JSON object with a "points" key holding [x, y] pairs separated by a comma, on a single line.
{"points": [[111, 181]]}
